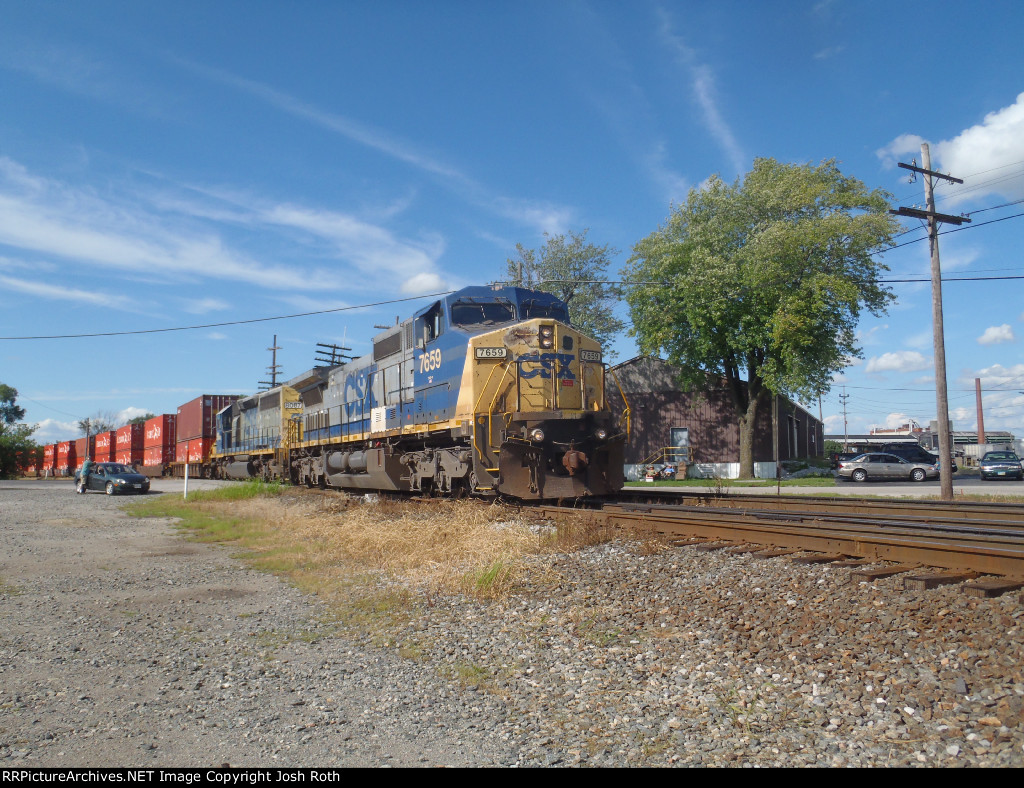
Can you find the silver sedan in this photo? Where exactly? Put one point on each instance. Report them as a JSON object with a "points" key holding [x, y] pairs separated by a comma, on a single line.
{"points": [[881, 467]]}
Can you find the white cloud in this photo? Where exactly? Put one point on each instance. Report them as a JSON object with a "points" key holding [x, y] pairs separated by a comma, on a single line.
{"points": [[898, 361], [51, 431], [53, 292], [124, 416], [201, 306], [995, 335], [702, 83], [987, 156]]}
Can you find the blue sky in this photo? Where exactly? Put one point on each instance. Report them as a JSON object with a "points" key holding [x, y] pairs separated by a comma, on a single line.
{"points": [[181, 164]]}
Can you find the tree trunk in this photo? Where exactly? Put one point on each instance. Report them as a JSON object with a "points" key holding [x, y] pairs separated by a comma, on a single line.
{"points": [[747, 422]]}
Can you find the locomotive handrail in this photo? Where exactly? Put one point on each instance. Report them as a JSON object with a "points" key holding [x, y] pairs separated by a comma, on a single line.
{"points": [[476, 406], [626, 413]]}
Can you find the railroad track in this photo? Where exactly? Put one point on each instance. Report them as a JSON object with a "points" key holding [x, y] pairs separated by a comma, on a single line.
{"points": [[930, 543]]}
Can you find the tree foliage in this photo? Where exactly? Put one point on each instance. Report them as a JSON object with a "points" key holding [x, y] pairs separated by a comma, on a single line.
{"points": [[15, 439], [142, 419], [9, 410], [574, 270], [765, 278]]}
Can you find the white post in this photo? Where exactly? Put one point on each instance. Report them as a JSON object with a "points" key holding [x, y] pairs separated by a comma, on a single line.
{"points": [[185, 496]]}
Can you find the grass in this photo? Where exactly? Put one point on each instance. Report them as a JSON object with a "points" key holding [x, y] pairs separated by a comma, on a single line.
{"points": [[375, 565]]}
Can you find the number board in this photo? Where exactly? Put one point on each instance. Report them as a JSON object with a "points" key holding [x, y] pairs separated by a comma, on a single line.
{"points": [[590, 355], [492, 352]]}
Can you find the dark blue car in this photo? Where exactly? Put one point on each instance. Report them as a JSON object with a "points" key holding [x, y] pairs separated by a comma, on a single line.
{"points": [[113, 478]]}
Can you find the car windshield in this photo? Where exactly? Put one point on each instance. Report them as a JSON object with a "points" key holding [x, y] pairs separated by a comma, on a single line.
{"points": [[115, 469], [998, 456]]}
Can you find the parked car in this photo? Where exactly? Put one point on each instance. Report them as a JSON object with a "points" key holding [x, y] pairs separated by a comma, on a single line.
{"points": [[840, 456], [913, 452], [1000, 464], [878, 467], [113, 478]]}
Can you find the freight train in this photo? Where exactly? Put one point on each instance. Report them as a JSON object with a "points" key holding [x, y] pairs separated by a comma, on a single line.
{"points": [[486, 391]]}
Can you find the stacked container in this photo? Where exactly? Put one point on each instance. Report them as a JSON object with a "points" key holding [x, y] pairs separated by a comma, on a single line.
{"points": [[197, 426], [106, 446], [129, 444], [158, 440], [49, 459], [84, 447], [66, 458]]}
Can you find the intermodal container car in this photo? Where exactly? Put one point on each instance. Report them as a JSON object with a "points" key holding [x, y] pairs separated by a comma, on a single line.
{"points": [[197, 418], [106, 446], [159, 432], [130, 437]]}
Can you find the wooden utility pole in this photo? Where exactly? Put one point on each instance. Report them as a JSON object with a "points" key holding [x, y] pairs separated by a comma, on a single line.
{"points": [[981, 414], [941, 397]]}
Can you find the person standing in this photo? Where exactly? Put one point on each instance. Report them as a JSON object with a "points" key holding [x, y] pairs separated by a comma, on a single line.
{"points": [[83, 477]]}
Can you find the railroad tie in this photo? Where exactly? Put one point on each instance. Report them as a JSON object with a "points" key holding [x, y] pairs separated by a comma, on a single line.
{"points": [[935, 579], [820, 558], [870, 575], [993, 586]]}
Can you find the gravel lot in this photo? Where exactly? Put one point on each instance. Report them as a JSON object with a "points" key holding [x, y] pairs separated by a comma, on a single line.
{"points": [[123, 644]]}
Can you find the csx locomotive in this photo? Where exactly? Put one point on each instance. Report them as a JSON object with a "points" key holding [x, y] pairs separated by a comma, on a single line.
{"points": [[488, 390]]}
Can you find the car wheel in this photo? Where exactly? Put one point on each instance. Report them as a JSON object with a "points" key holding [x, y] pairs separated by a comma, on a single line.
{"points": [[917, 475], [859, 475], [110, 488]]}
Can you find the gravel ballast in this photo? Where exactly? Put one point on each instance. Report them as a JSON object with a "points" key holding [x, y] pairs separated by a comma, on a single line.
{"points": [[124, 644]]}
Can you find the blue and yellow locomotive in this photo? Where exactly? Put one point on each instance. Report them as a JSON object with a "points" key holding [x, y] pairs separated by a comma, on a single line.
{"points": [[487, 390]]}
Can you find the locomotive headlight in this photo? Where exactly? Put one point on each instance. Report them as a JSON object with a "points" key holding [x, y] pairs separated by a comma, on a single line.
{"points": [[537, 434], [601, 434], [547, 336]]}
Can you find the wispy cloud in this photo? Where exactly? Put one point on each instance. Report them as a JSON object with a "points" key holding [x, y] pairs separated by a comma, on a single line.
{"points": [[52, 292], [703, 83], [540, 214]]}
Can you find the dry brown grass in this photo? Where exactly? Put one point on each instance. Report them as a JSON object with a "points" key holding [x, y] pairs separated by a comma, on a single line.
{"points": [[323, 542]]}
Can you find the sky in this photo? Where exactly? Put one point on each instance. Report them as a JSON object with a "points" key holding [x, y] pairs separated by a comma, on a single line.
{"points": [[193, 165]]}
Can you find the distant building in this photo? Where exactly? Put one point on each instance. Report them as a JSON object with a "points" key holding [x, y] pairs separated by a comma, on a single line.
{"points": [[703, 423]]}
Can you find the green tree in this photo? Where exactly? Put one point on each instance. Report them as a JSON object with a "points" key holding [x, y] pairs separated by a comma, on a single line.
{"points": [[9, 410], [764, 278], [142, 419], [15, 438], [569, 267]]}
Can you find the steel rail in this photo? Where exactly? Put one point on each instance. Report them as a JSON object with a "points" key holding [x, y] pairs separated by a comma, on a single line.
{"points": [[966, 510], [995, 552]]}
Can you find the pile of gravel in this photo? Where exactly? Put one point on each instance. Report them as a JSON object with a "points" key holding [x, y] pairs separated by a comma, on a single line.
{"points": [[123, 644]]}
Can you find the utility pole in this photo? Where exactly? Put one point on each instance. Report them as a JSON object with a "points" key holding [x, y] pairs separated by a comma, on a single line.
{"points": [[941, 396], [981, 414], [846, 432], [274, 367]]}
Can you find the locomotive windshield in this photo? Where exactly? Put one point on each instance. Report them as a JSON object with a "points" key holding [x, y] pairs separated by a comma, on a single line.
{"points": [[471, 312], [534, 308]]}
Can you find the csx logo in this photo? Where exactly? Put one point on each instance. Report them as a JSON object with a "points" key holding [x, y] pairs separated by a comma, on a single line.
{"points": [[547, 363]]}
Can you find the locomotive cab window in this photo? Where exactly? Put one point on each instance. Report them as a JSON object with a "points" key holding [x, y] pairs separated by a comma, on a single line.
{"points": [[430, 324], [474, 312], [534, 309]]}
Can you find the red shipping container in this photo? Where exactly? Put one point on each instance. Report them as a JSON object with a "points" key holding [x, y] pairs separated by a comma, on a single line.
{"points": [[105, 446], [181, 451], [197, 418], [130, 438], [157, 455], [81, 450], [130, 457], [199, 449], [50, 457], [159, 431]]}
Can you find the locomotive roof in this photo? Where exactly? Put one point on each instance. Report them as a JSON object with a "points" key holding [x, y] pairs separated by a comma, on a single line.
{"points": [[517, 295]]}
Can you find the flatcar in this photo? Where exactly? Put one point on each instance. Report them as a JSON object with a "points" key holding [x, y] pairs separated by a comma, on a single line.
{"points": [[488, 390]]}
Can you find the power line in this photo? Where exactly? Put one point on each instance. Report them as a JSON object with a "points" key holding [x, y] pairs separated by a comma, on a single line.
{"points": [[235, 322]]}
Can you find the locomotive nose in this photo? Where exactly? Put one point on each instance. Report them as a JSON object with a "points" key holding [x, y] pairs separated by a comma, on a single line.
{"points": [[574, 461]]}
